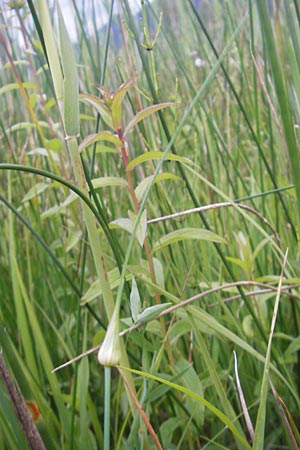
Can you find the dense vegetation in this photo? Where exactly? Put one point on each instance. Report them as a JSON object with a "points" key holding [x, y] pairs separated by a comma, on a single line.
{"points": [[102, 137]]}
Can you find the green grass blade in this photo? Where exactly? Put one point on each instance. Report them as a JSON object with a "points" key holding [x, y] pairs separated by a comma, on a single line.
{"points": [[279, 74], [259, 436], [70, 77], [223, 418], [51, 48]]}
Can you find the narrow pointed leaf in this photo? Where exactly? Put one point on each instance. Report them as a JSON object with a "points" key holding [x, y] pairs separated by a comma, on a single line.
{"points": [[95, 289], [116, 106], [198, 398], [14, 86], [142, 186], [128, 225], [100, 137], [124, 223], [159, 272], [135, 300], [99, 106], [109, 181], [37, 189], [73, 240], [157, 155], [152, 312], [141, 228], [187, 234], [145, 113]]}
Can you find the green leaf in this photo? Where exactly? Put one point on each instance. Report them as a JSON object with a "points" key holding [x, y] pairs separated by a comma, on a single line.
{"points": [[142, 186], [238, 262], [95, 289], [22, 126], [168, 428], [73, 240], [178, 329], [135, 300], [187, 234], [51, 46], [70, 77], [43, 353], [223, 418], [41, 151], [116, 106], [129, 224], [59, 208], [100, 107], [124, 223], [142, 226], [192, 381], [262, 414], [37, 189], [145, 113], [50, 212], [109, 181], [159, 272], [140, 340], [14, 86], [105, 149], [293, 347], [100, 137], [70, 199], [149, 156], [282, 89], [152, 312], [248, 326]]}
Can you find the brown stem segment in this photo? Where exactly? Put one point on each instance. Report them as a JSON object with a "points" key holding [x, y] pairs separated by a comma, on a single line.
{"points": [[25, 419]]}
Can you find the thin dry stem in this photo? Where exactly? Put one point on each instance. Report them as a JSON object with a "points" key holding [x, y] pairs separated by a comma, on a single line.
{"points": [[142, 414], [268, 288], [215, 206], [242, 399]]}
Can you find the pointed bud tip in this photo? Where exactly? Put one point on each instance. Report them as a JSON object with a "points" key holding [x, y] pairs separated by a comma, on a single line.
{"points": [[110, 350]]}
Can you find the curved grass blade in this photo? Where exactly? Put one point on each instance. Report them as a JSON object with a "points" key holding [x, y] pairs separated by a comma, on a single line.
{"points": [[223, 418]]}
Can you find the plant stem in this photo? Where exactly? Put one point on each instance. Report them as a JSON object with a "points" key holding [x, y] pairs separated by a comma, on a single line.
{"points": [[146, 243], [107, 391]]}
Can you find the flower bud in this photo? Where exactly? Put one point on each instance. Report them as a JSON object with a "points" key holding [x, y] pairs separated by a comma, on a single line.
{"points": [[110, 350]]}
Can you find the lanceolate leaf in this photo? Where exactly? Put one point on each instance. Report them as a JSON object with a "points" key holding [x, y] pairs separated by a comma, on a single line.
{"points": [[142, 226], [109, 181], [152, 312], [73, 240], [135, 300], [100, 107], [24, 126], [185, 234], [159, 272], [124, 223], [128, 225], [37, 189], [157, 155], [116, 106], [98, 137], [95, 289], [12, 86], [141, 188], [145, 113]]}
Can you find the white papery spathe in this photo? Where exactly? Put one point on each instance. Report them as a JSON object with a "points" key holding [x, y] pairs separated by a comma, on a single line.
{"points": [[110, 350]]}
